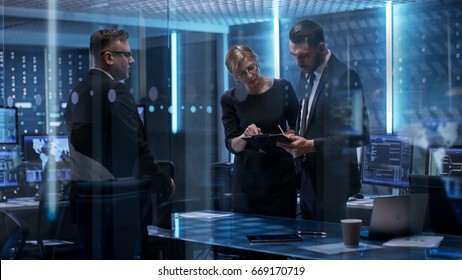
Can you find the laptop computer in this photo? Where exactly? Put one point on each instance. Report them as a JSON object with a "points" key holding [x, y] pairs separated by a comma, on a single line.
{"points": [[394, 216]]}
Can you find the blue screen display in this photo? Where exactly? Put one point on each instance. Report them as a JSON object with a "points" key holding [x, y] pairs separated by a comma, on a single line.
{"points": [[8, 174], [387, 160], [46, 152], [8, 125]]}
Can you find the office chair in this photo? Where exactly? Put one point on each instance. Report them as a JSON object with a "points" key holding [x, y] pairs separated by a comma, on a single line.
{"points": [[53, 236], [13, 234], [453, 189], [112, 216], [56, 236]]}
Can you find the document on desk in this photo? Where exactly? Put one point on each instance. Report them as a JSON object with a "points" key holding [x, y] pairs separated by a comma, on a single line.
{"points": [[420, 241], [337, 248], [50, 242], [204, 215]]}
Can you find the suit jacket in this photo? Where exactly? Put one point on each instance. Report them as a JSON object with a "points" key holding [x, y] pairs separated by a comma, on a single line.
{"points": [[103, 124], [338, 123]]}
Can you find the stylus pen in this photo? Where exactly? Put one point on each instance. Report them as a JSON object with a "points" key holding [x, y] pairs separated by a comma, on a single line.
{"points": [[280, 128], [313, 233]]}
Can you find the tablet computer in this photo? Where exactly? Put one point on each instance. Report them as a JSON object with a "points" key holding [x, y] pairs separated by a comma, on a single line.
{"points": [[266, 141], [267, 137], [273, 238]]}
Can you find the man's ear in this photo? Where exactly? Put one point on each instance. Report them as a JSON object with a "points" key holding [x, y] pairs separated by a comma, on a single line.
{"points": [[107, 56]]}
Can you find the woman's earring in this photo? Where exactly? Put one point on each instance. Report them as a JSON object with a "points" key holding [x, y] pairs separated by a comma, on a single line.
{"points": [[237, 82]]}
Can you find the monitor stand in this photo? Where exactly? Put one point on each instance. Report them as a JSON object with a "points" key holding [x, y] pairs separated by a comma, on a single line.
{"points": [[3, 197], [395, 191], [37, 197]]}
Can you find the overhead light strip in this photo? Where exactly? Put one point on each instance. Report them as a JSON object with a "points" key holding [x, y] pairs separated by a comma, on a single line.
{"points": [[276, 46], [174, 80], [389, 68]]}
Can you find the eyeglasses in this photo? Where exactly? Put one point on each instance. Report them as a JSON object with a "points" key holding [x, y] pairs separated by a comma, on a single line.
{"points": [[251, 69], [126, 54]]}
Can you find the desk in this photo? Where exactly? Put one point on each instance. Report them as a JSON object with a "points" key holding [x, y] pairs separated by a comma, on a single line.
{"points": [[27, 209], [230, 229], [19, 203]]}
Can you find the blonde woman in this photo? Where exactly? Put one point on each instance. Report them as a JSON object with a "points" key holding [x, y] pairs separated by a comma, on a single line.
{"points": [[263, 181]]}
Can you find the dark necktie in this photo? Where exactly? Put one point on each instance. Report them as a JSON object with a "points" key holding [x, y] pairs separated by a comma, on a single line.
{"points": [[307, 90]]}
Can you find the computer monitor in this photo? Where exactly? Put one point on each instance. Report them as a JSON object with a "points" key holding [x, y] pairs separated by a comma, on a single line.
{"points": [[8, 173], [46, 152], [8, 125], [444, 161], [387, 161]]}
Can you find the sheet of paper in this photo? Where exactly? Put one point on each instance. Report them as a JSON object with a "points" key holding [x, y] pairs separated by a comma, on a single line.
{"points": [[420, 241], [204, 215], [50, 242], [336, 248]]}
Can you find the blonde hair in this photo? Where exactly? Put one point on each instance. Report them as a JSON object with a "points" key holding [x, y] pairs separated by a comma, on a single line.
{"points": [[236, 56]]}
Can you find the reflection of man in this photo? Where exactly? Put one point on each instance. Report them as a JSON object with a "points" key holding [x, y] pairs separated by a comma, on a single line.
{"points": [[333, 121]]}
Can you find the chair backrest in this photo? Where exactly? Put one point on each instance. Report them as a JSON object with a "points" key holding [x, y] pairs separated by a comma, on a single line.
{"points": [[13, 234], [163, 211], [440, 203], [112, 216]]}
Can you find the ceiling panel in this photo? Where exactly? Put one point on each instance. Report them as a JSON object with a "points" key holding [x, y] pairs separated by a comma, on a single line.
{"points": [[222, 12], [28, 21]]}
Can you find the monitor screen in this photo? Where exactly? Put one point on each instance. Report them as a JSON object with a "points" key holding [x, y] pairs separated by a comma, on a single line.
{"points": [[8, 173], [8, 125], [444, 161], [46, 152], [387, 161]]}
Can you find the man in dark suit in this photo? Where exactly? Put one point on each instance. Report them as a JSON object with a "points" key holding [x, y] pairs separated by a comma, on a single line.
{"points": [[105, 131], [333, 122]]}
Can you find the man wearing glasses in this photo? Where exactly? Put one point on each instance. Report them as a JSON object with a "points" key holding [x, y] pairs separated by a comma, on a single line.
{"points": [[105, 132]]}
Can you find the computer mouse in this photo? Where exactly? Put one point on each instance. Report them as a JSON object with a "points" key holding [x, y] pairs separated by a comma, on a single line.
{"points": [[358, 196]]}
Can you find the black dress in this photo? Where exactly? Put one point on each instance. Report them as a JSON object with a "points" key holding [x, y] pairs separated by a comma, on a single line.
{"points": [[263, 182]]}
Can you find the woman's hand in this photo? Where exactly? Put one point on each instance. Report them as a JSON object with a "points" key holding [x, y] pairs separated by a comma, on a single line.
{"points": [[238, 144], [252, 130]]}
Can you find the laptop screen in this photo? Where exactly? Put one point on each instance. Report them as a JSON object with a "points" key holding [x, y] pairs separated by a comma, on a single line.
{"points": [[394, 216]]}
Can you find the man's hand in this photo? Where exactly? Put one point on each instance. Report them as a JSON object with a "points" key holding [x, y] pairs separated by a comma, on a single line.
{"points": [[168, 191], [298, 147], [172, 188]]}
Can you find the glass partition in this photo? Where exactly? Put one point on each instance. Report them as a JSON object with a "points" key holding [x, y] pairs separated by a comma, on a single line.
{"points": [[410, 68]]}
